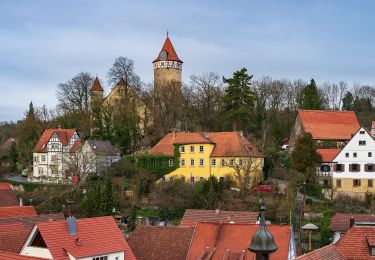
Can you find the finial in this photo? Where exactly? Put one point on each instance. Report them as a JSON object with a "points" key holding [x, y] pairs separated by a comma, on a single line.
{"points": [[167, 33]]}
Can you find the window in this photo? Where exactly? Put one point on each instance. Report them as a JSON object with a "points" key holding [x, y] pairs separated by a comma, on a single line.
{"points": [[347, 155], [325, 168], [154, 162], [361, 132], [100, 258], [182, 162], [339, 167], [183, 179], [338, 183], [222, 162], [355, 155], [362, 143], [213, 162], [201, 162], [191, 162], [161, 162], [369, 154], [40, 170], [192, 180], [369, 183], [43, 158], [36, 158], [372, 251], [231, 162], [356, 183], [192, 148], [201, 178], [55, 146], [222, 179], [182, 149], [170, 162], [354, 167], [54, 158], [369, 167], [171, 178], [201, 149], [240, 162]]}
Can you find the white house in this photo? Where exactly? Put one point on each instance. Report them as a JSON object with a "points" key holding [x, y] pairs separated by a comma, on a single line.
{"points": [[77, 239], [353, 170], [51, 153]]}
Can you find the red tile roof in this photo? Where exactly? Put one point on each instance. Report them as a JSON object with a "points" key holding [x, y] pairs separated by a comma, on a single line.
{"points": [[328, 154], [340, 222], [96, 86], [7, 256], [329, 252], [64, 135], [226, 240], [192, 216], [17, 211], [329, 125], [14, 231], [75, 146], [98, 236], [167, 243], [8, 198], [226, 143], [171, 53], [5, 186]]}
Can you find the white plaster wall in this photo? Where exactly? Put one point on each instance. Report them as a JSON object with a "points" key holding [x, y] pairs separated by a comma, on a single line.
{"points": [[36, 252]]}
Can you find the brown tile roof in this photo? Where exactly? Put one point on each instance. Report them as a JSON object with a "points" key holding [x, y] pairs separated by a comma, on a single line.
{"points": [[99, 236], [13, 256], [222, 240], [8, 198], [329, 252], [328, 154], [192, 216], [329, 125], [5, 186], [17, 211], [340, 222], [96, 86], [64, 136], [226, 143], [14, 231], [167, 243], [171, 53]]}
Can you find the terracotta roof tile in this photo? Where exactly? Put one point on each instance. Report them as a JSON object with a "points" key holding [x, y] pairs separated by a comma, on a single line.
{"points": [[17, 211], [75, 146], [234, 238], [64, 136], [167, 243], [329, 125], [96, 86], [13, 256], [5, 186], [192, 216], [340, 222], [8, 198], [329, 252], [328, 154], [171, 53], [226, 143], [98, 236]]}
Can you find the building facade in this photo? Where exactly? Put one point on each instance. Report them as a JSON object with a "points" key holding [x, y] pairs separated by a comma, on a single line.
{"points": [[218, 154], [51, 154], [353, 169]]}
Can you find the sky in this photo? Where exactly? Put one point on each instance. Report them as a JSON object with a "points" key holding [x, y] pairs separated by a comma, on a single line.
{"points": [[44, 42]]}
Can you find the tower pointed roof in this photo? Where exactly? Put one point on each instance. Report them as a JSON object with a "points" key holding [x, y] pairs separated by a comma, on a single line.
{"points": [[96, 86], [171, 53]]}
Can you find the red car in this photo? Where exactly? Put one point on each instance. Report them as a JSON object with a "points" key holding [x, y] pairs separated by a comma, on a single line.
{"points": [[262, 188]]}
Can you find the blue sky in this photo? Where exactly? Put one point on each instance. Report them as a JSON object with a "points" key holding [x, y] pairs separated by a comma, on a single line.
{"points": [[45, 42]]}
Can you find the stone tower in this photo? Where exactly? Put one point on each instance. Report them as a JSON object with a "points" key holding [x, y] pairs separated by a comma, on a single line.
{"points": [[97, 93], [167, 66]]}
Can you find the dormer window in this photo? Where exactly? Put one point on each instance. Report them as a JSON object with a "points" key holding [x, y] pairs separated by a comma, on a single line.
{"points": [[361, 132]]}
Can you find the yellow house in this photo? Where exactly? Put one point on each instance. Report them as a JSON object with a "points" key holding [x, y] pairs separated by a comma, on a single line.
{"points": [[205, 154]]}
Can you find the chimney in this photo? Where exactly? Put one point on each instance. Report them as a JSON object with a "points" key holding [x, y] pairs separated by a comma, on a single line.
{"points": [[217, 211], [72, 225], [351, 222], [21, 202], [241, 133]]}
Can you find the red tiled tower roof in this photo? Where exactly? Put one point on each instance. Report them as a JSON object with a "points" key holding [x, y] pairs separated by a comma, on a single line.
{"points": [[171, 53], [96, 86]]}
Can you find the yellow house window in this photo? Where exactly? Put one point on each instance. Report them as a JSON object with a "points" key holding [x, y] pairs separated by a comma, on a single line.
{"points": [[201, 162], [192, 148], [231, 162], [183, 162], [222, 162], [182, 149], [201, 149], [240, 162], [356, 183], [192, 162], [338, 183], [170, 162], [213, 162]]}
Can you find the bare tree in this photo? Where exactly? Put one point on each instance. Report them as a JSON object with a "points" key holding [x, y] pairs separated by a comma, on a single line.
{"points": [[123, 69], [334, 94], [80, 164], [45, 117]]}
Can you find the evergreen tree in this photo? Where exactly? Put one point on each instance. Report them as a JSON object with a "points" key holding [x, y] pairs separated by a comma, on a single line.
{"points": [[13, 157], [311, 99], [305, 158], [239, 99], [348, 102], [108, 201]]}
